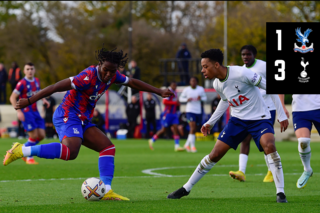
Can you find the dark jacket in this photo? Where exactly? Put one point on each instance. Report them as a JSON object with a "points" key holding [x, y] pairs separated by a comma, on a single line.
{"points": [[135, 72], [133, 111], [3, 76], [150, 107]]}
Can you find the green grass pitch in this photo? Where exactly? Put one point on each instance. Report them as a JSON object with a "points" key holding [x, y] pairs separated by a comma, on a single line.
{"points": [[146, 177]]}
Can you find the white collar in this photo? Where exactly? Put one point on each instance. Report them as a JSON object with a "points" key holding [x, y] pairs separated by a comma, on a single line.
{"points": [[29, 80]]}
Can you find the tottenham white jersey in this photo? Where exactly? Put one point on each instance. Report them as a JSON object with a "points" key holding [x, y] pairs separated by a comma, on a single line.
{"points": [[301, 103], [260, 68], [193, 106], [240, 89]]}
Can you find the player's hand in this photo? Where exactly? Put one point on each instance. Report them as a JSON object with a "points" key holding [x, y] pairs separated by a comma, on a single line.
{"points": [[199, 98], [190, 99], [286, 111], [205, 129], [22, 103], [166, 93], [20, 115], [284, 125], [46, 102]]}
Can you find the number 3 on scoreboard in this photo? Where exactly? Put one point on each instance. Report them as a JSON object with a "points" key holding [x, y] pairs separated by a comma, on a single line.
{"points": [[280, 77]]}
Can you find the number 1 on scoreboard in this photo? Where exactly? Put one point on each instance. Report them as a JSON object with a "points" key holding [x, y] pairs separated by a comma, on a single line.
{"points": [[279, 39]]}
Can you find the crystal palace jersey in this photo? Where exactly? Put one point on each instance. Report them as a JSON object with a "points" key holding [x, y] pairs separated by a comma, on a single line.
{"points": [[240, 89], [171, 108], [301, 103], [27, 88], [260, 68], [87, 89]]}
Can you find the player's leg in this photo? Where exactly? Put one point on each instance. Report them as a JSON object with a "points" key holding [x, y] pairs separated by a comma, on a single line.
{"points": [[35, 136], [269, 176], [205, 165], [155, 137], [94, 139], [302, 123], [176, 138], [233, 133], [243, 159], [191, 136]]}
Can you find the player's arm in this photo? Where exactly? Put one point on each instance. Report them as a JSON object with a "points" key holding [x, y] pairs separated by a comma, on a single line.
{"points": [[183, 97], [60, 86], [142, 86], [13, 99], [222, 107], [203, 95], [281, 96], [282, 117]]}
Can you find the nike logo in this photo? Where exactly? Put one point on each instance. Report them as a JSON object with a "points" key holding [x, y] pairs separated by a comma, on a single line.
{"points": [[302, 182], [264, 130]]}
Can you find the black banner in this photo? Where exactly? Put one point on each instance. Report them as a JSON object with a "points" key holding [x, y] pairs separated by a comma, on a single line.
{"points": [[293, 57]]}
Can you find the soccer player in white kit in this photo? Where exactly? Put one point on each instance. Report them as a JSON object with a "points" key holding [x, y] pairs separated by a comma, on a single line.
{"points": [[305, 112], [193, 95], [238, 88], [248, 55]]}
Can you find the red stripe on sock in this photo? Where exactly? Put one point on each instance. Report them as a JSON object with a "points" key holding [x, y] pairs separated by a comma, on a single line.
{"points": [[32, 140], [110, 151], [176, 137], [63, 138], [65, 152], [155, 137]]}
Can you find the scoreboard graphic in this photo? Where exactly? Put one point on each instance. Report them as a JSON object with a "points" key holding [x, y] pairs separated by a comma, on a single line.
{"points": [[293, 58]]}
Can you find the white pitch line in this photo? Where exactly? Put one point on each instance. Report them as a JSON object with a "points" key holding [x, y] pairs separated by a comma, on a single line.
{"points": [[151, 174]]}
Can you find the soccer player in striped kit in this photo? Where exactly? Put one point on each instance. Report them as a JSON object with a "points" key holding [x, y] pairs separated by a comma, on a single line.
{"points": [[72, 118], [30, 117]]}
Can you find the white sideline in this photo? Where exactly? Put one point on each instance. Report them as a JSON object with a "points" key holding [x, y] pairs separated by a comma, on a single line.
{"points": [[151, 174]]}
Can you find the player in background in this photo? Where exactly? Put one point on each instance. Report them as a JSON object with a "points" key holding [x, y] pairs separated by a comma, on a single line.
{"points": [[72, 118], [305, 112], [30, 117], [193, 95], [248, 55], [238, 88], [169, 118]]}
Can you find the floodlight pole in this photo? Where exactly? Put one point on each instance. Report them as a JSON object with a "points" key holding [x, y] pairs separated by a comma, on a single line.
{"points": [[130, 31], [225, 35]]}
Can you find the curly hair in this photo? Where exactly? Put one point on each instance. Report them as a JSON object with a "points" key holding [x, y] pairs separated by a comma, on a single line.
{"points": [[249, 47], [114, 57]]}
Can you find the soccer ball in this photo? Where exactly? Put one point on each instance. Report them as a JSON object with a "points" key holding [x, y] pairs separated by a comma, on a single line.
{"points": [[93, 189]]}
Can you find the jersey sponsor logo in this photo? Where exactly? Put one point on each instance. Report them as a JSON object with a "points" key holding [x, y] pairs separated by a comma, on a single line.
{"points": [[254, 78], [75, 131], [241, 100], [65, 120], [86, 78], [31, 93], [303, 39], [303, 74], [264, 130], [96, 97], [237, 87]]}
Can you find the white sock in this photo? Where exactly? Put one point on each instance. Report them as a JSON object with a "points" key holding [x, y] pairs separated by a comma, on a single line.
{"points": [[188, 141], [243, 159], [266, 159], [108, 188], [277, 171], [192, 140], [305, 153], [203, 168], [26, 150]]}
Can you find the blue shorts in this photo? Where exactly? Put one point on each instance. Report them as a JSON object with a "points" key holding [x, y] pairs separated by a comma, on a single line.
{"points": [[237, 130], [71, 126], [194, 117], [273, 116], [32, 121], [169, 119], [305, 119]]}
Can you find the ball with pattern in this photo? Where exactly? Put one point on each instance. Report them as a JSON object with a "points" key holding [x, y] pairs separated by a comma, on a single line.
{"points": [[93, 189]]}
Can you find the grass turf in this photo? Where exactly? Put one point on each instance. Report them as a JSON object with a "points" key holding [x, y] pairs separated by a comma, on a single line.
{"points": [[54, 185]]}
